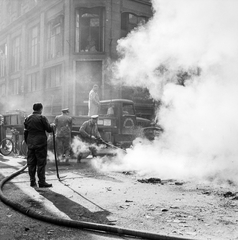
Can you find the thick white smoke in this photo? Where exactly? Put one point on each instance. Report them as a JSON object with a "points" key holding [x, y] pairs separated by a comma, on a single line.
{"points": [[199, 119]]}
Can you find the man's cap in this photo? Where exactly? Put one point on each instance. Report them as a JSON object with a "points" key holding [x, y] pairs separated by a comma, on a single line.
{"points": [[94, 116], [95, 85], [65, 110]]}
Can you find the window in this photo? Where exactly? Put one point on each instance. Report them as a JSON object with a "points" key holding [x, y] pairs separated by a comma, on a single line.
{"points": [[108, 109], [33, 83], [2, 90], [55, 38], [19, 7], [34, 46], [89, 30], [129, 21], [14, 86], [3, 60], [8, 11], [16, 54], [53, 77], [128, 109]]}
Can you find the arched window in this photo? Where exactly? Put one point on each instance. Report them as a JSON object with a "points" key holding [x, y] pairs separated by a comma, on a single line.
{"points": [[89, 30]]}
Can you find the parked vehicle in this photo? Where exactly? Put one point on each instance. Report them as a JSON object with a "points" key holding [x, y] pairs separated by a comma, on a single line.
{"points": [[119, 127], [12, 145], [11, 133]]}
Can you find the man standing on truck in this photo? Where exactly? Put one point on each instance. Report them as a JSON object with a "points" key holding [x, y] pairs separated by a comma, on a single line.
{"points": [[63, 124], [89, 133], [93, 102], [35, 130]]}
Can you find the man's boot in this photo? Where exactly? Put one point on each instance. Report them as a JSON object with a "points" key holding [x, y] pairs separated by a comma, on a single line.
{"points": [[33, 184], [45, 185]]}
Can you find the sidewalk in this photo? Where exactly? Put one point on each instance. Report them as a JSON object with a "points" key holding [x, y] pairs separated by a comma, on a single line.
{"points": [[116, 198], [15, 225]]}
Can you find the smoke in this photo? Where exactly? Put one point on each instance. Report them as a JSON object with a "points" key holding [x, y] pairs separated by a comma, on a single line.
{"points": [[11, 104], [79, 147], [181, 35], [200, 118], [82, 148], [50, 156]]}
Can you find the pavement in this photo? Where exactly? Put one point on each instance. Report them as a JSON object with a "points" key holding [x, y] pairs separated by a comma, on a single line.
{"points": [[167, 207], [67, 199]]}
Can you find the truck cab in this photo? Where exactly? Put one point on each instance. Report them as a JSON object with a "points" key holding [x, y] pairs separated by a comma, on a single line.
{"points": [[120, 115], [117, 122]]}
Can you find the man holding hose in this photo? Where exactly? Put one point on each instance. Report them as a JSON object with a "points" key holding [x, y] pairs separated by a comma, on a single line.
{"points": [[36, 125], [89, 133]]}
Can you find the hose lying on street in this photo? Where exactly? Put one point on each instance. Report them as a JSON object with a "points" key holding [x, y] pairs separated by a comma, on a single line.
{"points": [[77, 224]]}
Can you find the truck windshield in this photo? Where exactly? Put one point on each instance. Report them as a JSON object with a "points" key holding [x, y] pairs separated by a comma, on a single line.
{"points": [[128, 109], [107, 109]]}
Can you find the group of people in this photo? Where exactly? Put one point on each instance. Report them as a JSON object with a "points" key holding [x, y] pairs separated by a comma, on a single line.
{"points": [[36, 126]]}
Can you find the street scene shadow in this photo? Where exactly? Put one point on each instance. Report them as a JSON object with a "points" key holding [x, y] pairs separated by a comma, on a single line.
{"points": [[15, 194], [74, 210]]}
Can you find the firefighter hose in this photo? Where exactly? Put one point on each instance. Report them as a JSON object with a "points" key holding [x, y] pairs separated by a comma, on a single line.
{"points": [[56, 161], [77, 224], [112, 146]]}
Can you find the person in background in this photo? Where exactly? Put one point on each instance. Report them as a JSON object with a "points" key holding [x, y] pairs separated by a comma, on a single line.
{"points": [[91, 47], [36, 125], [89, 133], [63, 125], [93, 102]]}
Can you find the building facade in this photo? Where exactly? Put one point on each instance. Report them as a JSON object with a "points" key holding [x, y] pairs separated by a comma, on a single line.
{"points": [[53, 51]]}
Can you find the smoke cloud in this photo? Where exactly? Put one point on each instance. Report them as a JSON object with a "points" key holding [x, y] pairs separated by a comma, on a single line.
{"points": [[200, 118]]}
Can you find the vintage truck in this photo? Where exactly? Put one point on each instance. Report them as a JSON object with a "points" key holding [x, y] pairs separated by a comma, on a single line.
{"points": [[119, 127]]}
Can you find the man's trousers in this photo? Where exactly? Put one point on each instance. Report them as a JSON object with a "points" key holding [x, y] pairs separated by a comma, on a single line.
{"points": [[36, 161]]}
